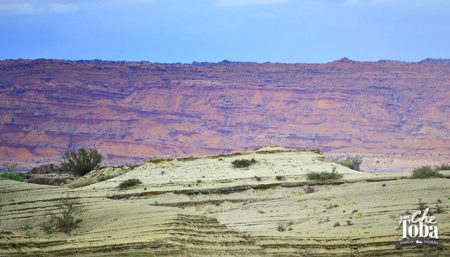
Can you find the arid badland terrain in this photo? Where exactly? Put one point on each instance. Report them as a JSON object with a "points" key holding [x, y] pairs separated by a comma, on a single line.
{"points": [[206, 207], [393, 114]]}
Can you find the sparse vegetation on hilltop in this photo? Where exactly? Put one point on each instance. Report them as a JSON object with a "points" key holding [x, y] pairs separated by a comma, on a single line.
{"points": [[81, 161], [426, 172], [243, 163], [443, 166], [132, 182], [324, 175]]}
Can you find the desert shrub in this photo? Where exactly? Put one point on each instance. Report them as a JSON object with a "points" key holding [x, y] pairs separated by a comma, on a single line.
{"points": [[431, 211], [443, 166], [159, 161], [324, 175], [281, 228], [243, 163], [352, 162], [426, 172], [439, 209], [12, 176], [66, 219], [27, 227], [132, 182], [279, 177], [12, 173], [81, 161], [331, 206]]}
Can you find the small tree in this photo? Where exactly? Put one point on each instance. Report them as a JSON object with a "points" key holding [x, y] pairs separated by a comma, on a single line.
{"points": [[81, 161]]}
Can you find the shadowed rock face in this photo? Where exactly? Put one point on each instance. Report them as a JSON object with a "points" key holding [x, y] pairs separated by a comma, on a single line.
{"points": [[135, 110]]}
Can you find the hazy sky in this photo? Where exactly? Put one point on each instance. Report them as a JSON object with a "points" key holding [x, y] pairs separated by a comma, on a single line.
{"points": [[213, 30]]}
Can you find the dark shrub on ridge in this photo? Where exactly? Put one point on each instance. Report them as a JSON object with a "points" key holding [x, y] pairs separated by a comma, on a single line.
{"points": [[243, 163], [132, 182], [426, 172], [324, 175], [443, 166]]}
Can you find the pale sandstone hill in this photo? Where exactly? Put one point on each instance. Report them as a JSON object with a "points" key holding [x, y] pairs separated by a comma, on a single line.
{"points": [[205, 207]]}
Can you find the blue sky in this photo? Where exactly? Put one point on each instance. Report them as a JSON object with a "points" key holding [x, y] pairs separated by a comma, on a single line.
{"points": [[308, 31]]}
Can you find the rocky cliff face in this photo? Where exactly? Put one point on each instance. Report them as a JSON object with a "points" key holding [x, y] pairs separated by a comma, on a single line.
{"points": [[136, 110]]}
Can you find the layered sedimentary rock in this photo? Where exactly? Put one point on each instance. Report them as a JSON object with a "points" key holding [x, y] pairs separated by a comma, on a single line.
{"points": [[208, 207], [132, 111]]}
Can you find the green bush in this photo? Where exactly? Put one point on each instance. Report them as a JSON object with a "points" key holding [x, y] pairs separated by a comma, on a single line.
{"points": [[443, 166], [67, 218], [352, 162], [426, 172], [324, 175], [81, 161], [12, 176], [243, 163], [132, 182], [12, 173]]}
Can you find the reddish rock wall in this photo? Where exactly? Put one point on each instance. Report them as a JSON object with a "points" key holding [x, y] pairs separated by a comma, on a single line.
{"points": [[133, 111]]}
